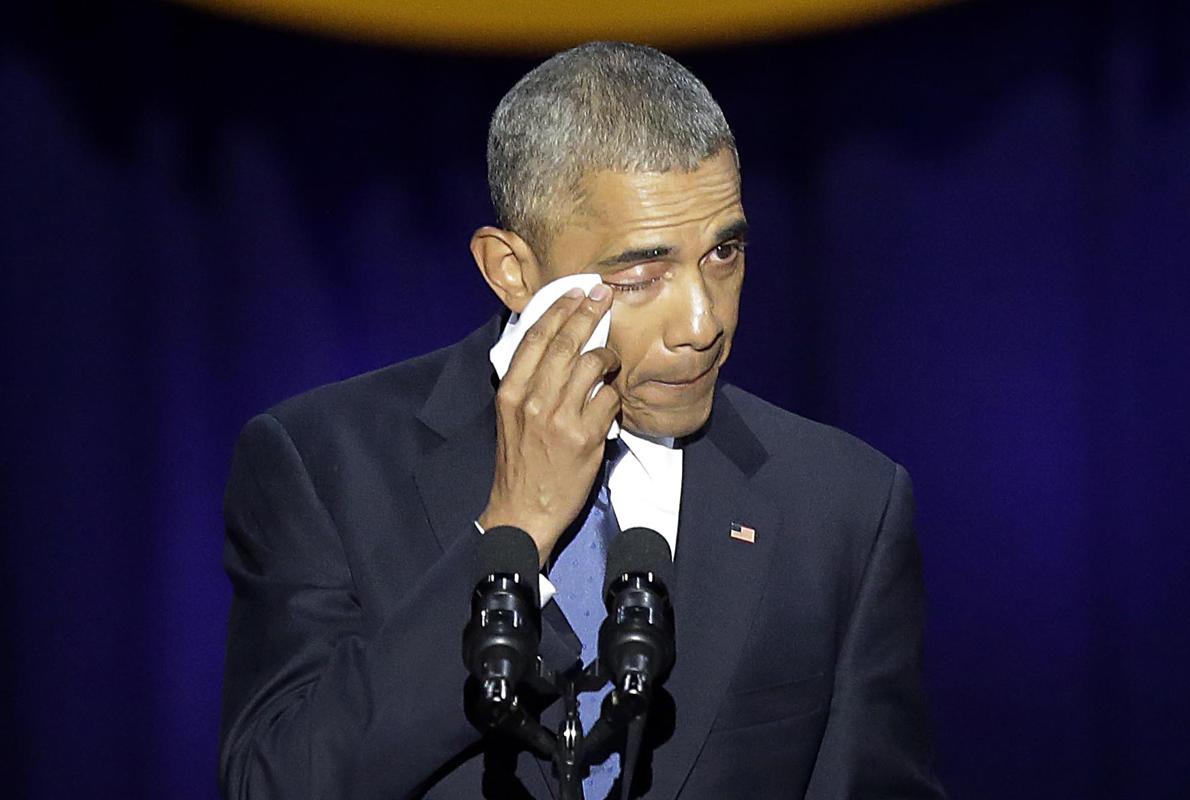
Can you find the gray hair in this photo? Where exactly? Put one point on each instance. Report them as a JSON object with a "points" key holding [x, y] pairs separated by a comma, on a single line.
{"points": [[600, 106]]}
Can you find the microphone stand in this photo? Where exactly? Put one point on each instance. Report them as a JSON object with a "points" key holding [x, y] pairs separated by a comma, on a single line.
{"points": [[636, 639], [493, 706]]}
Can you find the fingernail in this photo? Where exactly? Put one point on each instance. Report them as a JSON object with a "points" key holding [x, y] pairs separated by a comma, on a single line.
{"points": [[600, 292], [575, 292]]}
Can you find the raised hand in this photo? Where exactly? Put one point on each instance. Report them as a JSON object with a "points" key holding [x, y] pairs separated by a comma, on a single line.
{"points": [[550, 431]]}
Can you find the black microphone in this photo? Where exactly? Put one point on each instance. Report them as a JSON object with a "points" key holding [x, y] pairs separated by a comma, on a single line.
{"points": [[636, 641], [500, 640]]}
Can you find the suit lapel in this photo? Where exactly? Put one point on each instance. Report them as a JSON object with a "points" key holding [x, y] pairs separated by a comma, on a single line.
{"points": [[454, 476], [718, 583]]}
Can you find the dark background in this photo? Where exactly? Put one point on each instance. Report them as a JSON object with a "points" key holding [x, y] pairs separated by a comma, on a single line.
{"points": [[971, 245]]}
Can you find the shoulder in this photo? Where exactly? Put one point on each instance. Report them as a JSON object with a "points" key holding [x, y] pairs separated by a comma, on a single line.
{"points": [[385, 400], [789, 436], [377, 415], [809, 459], [397, 390], [364, 430]]}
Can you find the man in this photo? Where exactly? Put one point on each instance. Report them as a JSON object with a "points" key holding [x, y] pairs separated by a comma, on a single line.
{"points": [[352, 510]]}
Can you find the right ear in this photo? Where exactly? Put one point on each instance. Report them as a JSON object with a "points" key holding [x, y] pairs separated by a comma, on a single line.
{"points": [[507, 264]]}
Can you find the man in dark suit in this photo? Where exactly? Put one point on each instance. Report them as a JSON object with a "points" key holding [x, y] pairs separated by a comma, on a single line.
{"points": [[352, 511]]}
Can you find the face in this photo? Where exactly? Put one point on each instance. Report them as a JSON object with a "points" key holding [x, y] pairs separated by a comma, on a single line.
{"points": [[671, 246]]}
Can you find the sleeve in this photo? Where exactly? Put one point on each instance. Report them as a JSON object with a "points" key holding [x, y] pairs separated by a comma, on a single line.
{"points": [[320, 700], [877, 741]]}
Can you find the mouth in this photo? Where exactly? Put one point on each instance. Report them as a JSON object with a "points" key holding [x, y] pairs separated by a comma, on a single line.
{"points": [[690, 382]]}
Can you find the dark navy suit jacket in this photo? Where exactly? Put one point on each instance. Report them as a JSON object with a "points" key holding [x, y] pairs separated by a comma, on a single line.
{"points": [[350, 543]]}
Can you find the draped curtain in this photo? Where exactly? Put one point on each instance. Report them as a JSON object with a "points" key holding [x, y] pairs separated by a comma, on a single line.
{"points": [[970, 248]]}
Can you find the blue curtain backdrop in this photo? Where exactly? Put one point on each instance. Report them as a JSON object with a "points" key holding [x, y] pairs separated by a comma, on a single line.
{"points": [[971, 249]]}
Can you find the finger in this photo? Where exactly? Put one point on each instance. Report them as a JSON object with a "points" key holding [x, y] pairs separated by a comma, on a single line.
{"points": [[590, 368], [537, 338], [560, 353], [602, 409]]}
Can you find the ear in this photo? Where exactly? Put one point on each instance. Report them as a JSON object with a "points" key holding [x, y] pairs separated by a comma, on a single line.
{"points": [[507, 264]]}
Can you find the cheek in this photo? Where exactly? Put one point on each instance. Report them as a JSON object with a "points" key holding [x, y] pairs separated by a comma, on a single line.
{"points": [[630, 338]]}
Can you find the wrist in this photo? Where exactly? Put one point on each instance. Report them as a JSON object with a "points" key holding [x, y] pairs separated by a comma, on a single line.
{"points": [[538, 530]]}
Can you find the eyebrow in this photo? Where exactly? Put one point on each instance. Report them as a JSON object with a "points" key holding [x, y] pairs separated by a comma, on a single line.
{"points": [[733, 230], [639, 254]]}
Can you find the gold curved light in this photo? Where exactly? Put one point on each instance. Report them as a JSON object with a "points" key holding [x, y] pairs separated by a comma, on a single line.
{"points": [[534, 26]]}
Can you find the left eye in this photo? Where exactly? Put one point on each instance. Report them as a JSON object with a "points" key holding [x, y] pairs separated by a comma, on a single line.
{"points": [[726, 251]]}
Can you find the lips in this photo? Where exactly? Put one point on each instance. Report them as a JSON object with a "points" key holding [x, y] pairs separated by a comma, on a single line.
{"points": [[684, 379]]}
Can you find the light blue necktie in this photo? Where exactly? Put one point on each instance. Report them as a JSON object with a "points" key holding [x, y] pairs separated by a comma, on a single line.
{"points": [[577, 575]]}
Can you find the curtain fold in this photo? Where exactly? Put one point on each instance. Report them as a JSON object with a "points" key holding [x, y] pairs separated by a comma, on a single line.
{"points": [[970, 249]]}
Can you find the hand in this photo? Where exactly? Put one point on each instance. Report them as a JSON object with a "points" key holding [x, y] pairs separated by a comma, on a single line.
{"points": [[550, 432]]}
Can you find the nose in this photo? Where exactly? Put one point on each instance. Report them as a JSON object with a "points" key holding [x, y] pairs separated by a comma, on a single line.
{"points": [[691, 321]]}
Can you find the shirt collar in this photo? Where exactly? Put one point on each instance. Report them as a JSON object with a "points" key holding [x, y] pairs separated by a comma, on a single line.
{"points": [[656, 456]]}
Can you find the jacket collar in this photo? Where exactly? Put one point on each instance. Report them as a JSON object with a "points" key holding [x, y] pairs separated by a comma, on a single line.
{"points": [[466, 384]]}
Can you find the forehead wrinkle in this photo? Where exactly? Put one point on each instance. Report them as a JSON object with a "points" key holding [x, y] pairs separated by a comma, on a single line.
{"points": [[646, 196], [674, 194], [681, 212], [704, 222]]}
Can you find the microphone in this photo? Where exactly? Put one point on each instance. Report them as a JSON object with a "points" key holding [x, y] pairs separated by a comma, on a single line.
{"points": [[501, 638], [636, 641]]}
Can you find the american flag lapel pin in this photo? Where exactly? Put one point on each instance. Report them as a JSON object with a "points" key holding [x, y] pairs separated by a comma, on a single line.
{"points": [[743, 533]]}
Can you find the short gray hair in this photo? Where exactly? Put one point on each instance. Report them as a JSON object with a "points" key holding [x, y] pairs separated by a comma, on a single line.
{"points": [[600, 106]]}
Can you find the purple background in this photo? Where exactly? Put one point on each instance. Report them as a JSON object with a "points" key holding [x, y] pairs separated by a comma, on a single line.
{"points": [[971, 249]]}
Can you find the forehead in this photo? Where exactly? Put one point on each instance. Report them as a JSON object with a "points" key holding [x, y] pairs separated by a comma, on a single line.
{"points": [[627, 204]]}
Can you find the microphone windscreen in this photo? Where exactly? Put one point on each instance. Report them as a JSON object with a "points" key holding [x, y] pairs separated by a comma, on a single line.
{"points": [[505, 550], [635, 551]]}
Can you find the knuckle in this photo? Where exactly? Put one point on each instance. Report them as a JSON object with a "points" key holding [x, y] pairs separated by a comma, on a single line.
{"points": [[564, 342], [590, 361], [532, 406], [576, 438], [604, 353], [592, 438], [609, 396]]}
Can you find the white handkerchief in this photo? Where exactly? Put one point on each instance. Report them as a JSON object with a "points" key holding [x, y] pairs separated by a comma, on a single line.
{"points": [[514, 332]]}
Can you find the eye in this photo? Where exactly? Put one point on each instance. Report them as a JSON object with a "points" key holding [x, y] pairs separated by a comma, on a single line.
{"points": [[633, 287], [727, 251], [637, 277]]}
